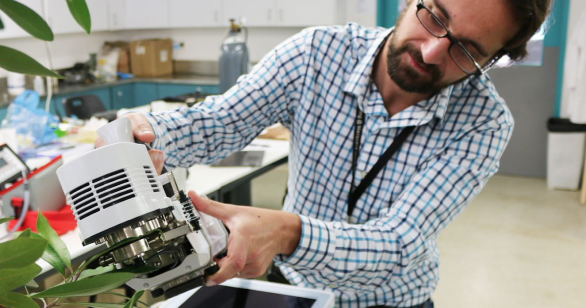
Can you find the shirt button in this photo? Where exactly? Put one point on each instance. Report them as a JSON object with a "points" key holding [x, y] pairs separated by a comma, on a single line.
{"points": [[363, 174], [333, 285]]}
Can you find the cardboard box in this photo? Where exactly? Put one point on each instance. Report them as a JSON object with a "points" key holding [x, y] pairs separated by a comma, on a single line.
{"points": [[123, 57], [151, 58]]}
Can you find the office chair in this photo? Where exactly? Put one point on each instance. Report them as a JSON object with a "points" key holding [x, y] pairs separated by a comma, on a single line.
{"points": [[83, 107]]}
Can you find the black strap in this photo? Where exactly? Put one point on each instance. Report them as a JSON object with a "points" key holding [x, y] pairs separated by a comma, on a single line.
{"points": [[356, 192]]}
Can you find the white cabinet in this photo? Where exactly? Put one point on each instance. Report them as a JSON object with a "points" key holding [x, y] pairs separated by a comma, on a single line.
{"points": [[11, 29], [196, 13], [138, 14], [306, 12], [287, 13], [252, 12], [61, 21]]}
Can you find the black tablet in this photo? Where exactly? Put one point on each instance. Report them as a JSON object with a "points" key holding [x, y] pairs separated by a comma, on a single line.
{"points": [[244, 293]]}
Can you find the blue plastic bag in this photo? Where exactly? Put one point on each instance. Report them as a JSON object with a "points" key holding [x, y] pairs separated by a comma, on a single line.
{"points": [[31, 123]]}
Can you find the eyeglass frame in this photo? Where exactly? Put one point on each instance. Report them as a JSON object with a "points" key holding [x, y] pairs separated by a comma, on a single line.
{"points": [[454, 41]]}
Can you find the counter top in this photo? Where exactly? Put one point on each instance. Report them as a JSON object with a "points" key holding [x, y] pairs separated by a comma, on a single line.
{"points": [[65, 89]]}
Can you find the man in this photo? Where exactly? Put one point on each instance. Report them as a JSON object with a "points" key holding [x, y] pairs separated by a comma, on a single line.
{"points": [[426, 73]]}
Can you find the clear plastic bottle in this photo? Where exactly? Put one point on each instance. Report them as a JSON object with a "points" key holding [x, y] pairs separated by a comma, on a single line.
{"points": [[39, 85]]}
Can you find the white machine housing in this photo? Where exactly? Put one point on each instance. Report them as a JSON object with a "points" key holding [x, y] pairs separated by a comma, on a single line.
{"points": [[117, 197], [110, 186]]}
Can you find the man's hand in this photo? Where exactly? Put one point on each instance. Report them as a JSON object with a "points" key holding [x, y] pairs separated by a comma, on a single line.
{"points": [[256, 236], [141, 129], [143, 132]]}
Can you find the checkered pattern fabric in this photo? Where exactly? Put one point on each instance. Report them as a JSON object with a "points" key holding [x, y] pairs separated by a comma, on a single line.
{"points": [[386, 253]]}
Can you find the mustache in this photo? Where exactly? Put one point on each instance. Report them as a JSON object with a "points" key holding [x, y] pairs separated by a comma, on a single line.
{"points": [[416, 54]]}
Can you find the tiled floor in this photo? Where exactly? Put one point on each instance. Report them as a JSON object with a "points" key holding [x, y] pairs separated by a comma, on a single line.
{"points": [[517, 245]]}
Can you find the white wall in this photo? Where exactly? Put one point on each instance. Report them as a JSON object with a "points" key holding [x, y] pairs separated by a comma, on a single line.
{"points": [[66, 49], [200, 44], [577, 9], [204, 44]]}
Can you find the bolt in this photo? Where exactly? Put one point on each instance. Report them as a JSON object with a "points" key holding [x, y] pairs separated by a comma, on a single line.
{"points": [[188, 267], [146, 285]]}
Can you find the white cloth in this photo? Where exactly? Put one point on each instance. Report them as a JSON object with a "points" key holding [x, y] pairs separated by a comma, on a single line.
{"points": [[575, 73]]}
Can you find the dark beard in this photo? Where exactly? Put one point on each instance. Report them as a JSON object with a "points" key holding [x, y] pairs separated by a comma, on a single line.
{"points": [[407, 77]]}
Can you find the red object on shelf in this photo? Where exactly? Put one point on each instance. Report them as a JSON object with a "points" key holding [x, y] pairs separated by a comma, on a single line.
{"points": [[62, 221]]}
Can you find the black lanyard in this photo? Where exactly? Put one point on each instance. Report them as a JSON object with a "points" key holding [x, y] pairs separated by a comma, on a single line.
{"points": [[356, 192]]}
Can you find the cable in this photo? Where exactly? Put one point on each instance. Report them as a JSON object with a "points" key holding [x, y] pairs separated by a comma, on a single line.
{"points": [[49, 81], [24, 208], [172, 253]]}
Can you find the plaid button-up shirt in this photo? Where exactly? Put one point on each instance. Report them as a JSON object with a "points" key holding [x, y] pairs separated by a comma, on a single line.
{"points": [[386, 253]]}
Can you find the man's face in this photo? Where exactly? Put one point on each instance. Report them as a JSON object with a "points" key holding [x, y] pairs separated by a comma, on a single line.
{"points": [[419, 62]]}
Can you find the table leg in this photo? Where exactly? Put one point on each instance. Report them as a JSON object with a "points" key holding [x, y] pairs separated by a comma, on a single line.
{"points": [[583, 194]]}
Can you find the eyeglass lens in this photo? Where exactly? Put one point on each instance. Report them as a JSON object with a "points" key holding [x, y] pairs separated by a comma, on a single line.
{"points": [[434, 26]]}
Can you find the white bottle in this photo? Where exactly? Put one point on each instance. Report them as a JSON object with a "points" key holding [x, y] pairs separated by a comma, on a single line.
{"points": [[39, 85], [16, 83]]}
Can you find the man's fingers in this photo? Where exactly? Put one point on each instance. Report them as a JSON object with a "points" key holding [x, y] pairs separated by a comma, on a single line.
{"points": [[234, 262], [219, 210], [158, 158], [99, 142], [141, 128]]}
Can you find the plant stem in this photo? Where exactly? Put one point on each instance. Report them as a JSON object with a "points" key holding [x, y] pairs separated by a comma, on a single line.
{"points": [[53, 303]]}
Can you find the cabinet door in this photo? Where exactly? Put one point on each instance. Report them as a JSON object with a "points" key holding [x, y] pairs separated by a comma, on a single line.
{"points": [[195, 13], [253, 12], [123, 96], [11, 29], [116, 9], [61, 21], [304, 13], [170, 90], [146, 14], [145, 93]]}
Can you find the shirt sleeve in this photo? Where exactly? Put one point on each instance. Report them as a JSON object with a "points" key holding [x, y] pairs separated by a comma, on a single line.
{"points": [[359, 257], [226, 123]]}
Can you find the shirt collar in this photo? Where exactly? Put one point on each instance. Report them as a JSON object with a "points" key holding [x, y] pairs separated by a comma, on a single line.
{"points": [[359, 79]]}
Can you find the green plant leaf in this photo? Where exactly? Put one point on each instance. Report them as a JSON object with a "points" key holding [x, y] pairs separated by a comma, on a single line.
{"points": [[27, 19], [21, 252], [1, 24], [16, 61], [81, 14], [10, 299], [126, 297], [49, 255], [134, 299], [98, 271], [26, 233], [32, 284], [46, 231], [88, 287], [12, 278], [108, 250], [3, 220], [94, 305]]}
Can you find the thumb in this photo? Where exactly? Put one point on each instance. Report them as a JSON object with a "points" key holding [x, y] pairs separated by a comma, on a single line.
{"points": [[213, 208]]}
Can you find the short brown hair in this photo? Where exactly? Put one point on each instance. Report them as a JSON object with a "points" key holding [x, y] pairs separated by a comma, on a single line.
{"points": [[531, 15]]}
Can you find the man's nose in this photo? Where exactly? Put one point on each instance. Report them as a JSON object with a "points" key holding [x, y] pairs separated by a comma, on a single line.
{"points": [[434, 50]]}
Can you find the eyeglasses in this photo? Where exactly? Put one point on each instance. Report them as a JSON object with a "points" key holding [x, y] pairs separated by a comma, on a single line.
{"points": [[458, 52]]}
